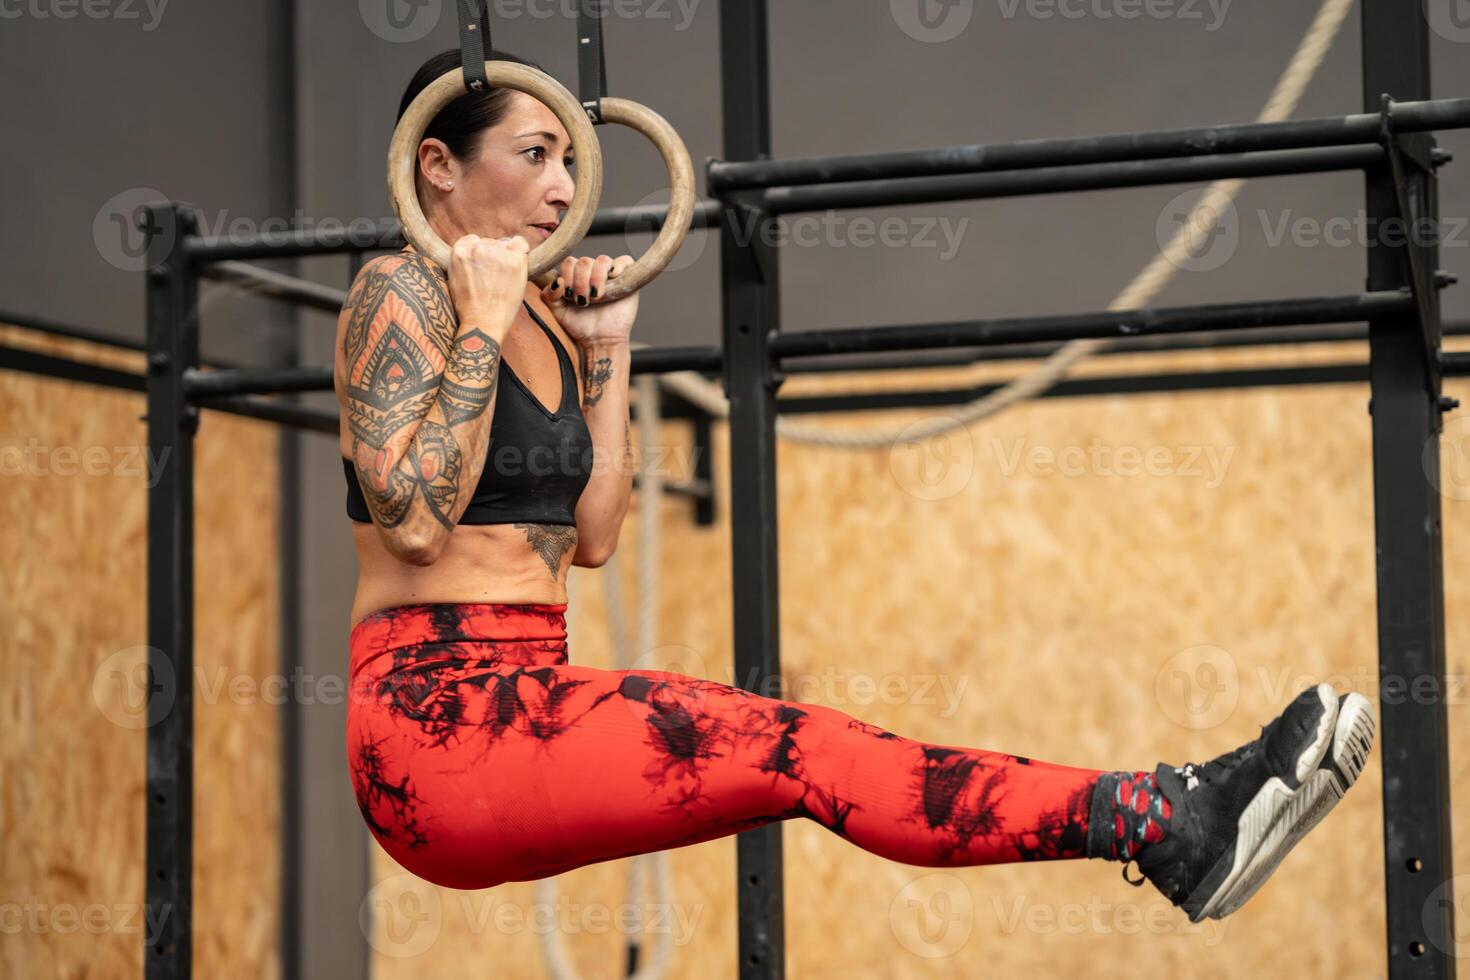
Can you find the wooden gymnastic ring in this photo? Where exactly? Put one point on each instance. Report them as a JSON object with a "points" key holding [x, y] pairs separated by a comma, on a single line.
{"points": [[681, 196], [409, 133]]}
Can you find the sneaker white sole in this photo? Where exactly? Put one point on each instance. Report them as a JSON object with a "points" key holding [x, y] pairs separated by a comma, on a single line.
{"points": [[1279, 816]]}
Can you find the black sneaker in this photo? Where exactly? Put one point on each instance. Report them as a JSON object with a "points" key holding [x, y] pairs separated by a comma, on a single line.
{"points": [[1236, 817], [1352, 739]]}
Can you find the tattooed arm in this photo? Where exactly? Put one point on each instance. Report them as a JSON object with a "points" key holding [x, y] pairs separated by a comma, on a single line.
{"points": [[420, 385], [604, 503]]}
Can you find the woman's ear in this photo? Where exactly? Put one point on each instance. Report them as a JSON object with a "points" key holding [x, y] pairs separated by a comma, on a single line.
{"points": [[435, 162]]}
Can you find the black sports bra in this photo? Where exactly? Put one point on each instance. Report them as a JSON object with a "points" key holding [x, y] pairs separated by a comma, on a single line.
{"points": [[538, 462]]}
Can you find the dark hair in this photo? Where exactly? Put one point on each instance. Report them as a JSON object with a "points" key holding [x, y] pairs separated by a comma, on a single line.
{"points": [[460, 123]]}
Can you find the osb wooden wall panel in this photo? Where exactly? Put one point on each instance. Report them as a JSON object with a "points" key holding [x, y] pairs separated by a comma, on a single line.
{"points": [[73, 735]]}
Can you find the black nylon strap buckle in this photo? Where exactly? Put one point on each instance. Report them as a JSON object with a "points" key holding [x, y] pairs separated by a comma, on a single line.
{"points": [[474, 42], [591, 63]]}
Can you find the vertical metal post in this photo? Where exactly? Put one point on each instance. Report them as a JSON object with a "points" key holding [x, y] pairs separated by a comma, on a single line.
{"points": [[704, 468], [750, 308], [1406, 424], [173, 347], [285, 351]]}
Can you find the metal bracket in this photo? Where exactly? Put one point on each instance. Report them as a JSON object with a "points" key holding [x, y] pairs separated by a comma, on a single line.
{"points": [[1416, 149], [775, 378], [700, 489]]}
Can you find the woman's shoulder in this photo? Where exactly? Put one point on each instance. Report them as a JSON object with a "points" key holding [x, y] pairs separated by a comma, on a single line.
{"points": [[406, 272], [406, 264]]}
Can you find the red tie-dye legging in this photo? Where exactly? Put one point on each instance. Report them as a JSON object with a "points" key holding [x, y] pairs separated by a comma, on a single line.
{"points": [[479, 755]]}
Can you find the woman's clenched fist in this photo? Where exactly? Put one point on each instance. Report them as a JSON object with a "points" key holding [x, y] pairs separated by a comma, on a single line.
{"points": [[487, 281]]}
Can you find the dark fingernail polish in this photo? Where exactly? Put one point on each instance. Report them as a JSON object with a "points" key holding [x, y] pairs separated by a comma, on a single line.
{"points": [[594, 292], [568, 296], [581, 300]]}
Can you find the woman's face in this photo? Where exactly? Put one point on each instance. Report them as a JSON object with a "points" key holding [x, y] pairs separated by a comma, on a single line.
{"points": [[518, 185]]}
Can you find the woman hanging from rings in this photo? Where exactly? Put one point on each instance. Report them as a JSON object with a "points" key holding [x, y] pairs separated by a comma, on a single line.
{"points": [[486, 449]]}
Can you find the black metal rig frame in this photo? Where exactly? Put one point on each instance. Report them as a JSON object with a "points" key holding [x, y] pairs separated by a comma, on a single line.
{"points": [[1391, 143]]}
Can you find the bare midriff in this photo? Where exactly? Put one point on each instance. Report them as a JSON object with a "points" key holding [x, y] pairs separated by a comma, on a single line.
{"points": [[481, 563]]}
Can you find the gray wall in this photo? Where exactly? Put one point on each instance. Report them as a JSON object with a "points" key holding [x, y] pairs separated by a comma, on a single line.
{"points": [[197, 108]]}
